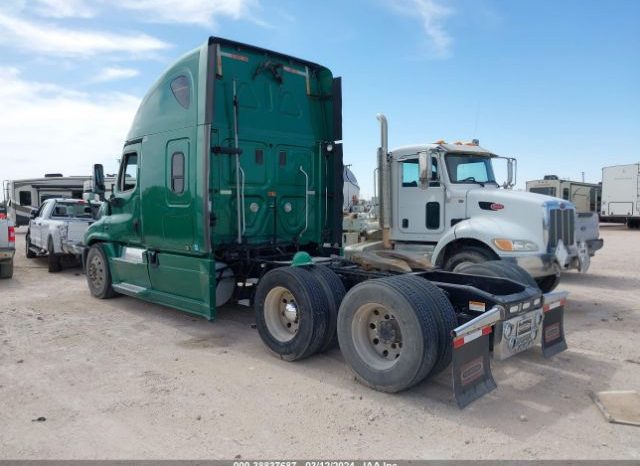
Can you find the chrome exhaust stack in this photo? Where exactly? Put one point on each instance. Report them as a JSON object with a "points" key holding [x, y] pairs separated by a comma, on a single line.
{"points": [[384, 181]]}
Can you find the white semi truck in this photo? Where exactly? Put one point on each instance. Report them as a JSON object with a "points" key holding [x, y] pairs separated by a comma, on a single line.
{"points": [[441, 205], [621, 194]]}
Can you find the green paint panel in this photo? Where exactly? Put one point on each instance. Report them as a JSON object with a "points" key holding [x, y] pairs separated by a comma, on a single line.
{"points": [[176, 208]]}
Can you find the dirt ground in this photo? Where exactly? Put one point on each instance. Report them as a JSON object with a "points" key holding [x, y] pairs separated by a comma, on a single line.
{"points": [[124, 379]]}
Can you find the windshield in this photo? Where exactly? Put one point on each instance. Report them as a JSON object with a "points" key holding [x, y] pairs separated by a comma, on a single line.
{"points": [[72, 210], [469, 169]]}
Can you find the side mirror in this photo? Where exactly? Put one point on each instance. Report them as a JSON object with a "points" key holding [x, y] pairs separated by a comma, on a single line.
{"points": [[33, 214], [423, 166], [510, 172], [98, 180]]}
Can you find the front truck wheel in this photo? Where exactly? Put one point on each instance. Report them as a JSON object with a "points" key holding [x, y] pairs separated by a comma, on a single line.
{"points": [[388, 333], [501, 269], [98, 273], [548, 283], [291, 312], [6, 270], [467, 256]]}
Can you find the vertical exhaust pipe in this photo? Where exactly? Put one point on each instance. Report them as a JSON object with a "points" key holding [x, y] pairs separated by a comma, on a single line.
{"points": [[384, 181]]}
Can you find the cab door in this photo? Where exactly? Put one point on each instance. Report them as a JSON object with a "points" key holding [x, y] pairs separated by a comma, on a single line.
{"points": [[420, 208], [124, 224]]}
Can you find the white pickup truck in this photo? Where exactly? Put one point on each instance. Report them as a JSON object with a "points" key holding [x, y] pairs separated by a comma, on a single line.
{"points": [[7, 246], [57, 228]]}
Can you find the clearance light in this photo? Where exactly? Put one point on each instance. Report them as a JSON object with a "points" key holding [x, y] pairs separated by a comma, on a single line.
{"points": [[515, 244]]}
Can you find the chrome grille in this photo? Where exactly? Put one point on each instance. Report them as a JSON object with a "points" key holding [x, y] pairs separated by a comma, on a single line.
{"points": [[561, 226]]}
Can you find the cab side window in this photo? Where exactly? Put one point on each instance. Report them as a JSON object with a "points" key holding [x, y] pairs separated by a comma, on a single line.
{"points": [[410, 174], [128, 173]]}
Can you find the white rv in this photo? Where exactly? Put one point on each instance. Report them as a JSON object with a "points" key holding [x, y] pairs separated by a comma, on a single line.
{"points": [[621, 194], [350, 190], [24, 195], [585, 196]]}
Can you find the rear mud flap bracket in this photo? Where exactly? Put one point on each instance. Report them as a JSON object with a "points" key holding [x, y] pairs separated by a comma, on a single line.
{"points": [[552, 339], [471, 367]]}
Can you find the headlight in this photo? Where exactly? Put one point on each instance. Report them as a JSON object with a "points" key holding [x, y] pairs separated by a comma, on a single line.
{"points": [[515, 244]]}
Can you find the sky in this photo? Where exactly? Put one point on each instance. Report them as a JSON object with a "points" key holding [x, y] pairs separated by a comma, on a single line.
{"points": [[555, 84]]}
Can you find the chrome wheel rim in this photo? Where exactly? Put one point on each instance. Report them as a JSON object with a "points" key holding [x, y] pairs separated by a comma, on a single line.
{"points": [[281, 314], [377, 336]]}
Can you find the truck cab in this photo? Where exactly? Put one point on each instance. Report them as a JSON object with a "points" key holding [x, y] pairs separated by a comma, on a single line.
{"points": [[442, 202]]}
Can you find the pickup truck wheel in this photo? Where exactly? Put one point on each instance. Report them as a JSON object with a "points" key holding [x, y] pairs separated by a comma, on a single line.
{"points": [[501, 269], [334, 292], [98, 273], [29, 253], [548, 283], [6, 270], [467, 256], [291, 312], [388, 333], [54, 259]]}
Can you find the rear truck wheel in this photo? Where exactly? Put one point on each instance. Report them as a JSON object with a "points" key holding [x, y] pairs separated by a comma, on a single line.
{"points": [[446, 319], [388, 333], [467, 256], [6, 270], [334, 291], [291, 312], [501, 269], [98, 273], [54, 259], [29, 253], [548, 283]]}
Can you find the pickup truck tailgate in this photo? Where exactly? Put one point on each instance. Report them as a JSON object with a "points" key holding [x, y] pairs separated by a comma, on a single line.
{"points": [[76, 231]]}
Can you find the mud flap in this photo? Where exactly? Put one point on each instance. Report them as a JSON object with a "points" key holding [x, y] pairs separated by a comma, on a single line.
{"points": [[552, 338], [472, 376]]}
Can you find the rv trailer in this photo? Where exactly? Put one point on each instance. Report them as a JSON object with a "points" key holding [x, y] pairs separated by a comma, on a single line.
{"points": [[24, 195]]}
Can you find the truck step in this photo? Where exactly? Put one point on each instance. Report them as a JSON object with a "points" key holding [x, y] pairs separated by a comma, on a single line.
{"points": [[128, 288]]}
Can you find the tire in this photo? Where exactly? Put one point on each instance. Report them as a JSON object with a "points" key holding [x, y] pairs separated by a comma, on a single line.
{"points": [[54, 259], [468, 255], [98, 273], [334, 291], [29, 253], [391, 309], [501, 269], [548, 283], [6, 270], [446, 319], [291, 312]]}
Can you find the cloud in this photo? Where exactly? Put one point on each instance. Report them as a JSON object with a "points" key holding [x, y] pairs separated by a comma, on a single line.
{"points": [[200, 12], [46, 128], [63, 8], [115, 73], [432, 14], [46, 38]]}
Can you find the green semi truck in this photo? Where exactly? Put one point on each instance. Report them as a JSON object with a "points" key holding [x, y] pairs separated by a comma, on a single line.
{"points": [[230, 189]]}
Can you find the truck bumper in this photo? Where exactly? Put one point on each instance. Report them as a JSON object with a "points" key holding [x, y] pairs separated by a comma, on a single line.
{"points": [[594, 245], [6, 254], [70, 247]]}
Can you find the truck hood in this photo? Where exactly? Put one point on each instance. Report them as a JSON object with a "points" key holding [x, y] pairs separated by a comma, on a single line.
{"points": [[509, 199]]}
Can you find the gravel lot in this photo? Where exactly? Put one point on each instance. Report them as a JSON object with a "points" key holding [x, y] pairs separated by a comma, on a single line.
{"points": [[123, 379]]}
